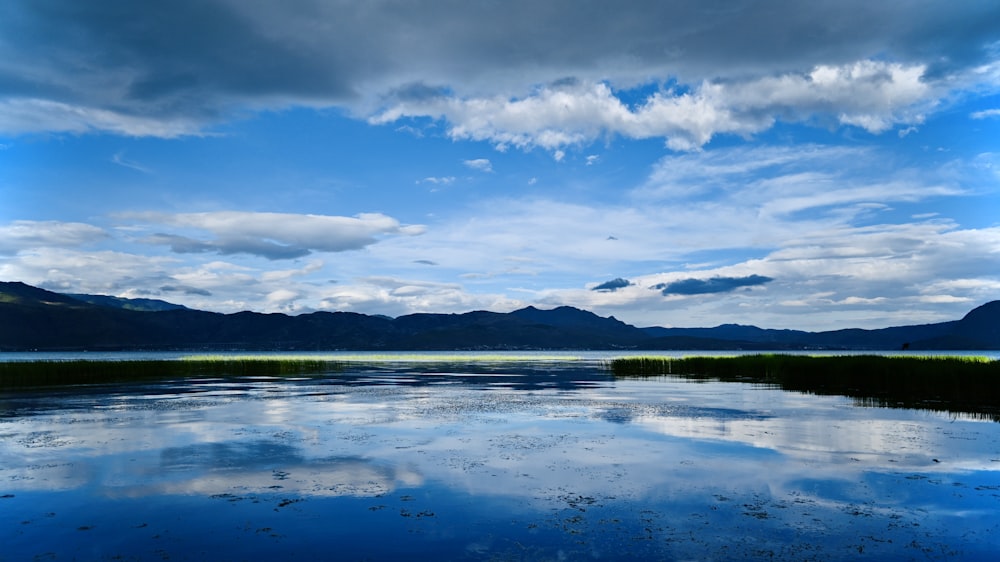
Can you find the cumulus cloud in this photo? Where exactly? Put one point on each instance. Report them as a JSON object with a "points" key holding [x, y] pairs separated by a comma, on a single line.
{"points": [[490, 70], [694, 286], [872, 95], [272, 235]]}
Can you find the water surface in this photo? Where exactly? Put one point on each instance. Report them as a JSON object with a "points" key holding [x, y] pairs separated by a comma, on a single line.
{"points": [[551, 460]]}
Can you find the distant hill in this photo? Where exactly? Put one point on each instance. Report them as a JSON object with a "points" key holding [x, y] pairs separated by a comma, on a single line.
{"points": [[144, 305], [35, 319], [18, 293]]}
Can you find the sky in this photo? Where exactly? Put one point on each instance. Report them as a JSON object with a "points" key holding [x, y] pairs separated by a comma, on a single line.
{"points": [[807, 165]]}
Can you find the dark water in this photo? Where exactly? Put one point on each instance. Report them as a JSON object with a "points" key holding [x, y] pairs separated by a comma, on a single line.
{"points": [[517, 461]]}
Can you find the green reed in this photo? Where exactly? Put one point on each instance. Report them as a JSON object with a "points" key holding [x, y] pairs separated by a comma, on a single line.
{"points": [[953, 383], [15, 374]]}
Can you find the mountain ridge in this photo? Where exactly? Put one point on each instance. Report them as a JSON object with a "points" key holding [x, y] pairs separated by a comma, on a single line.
{"points": [[140, 304], [32, 318]]}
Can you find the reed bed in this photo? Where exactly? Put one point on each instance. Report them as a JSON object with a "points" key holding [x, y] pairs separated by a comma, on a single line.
{"points": [[951, 383], [381, 358], [18, 374]]}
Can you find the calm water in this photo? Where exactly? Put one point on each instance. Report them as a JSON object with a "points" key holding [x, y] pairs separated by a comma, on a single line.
{"points": [[519, 461]]}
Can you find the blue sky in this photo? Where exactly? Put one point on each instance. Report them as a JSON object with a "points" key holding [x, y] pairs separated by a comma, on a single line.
{"points": [[814, 165]]}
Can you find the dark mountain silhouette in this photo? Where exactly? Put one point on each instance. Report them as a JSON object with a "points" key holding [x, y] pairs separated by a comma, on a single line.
{"points": [[980, 324], [21, 293], [35, 319], [148, 305]]}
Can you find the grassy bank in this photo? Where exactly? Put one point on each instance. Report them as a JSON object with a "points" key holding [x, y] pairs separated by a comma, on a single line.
{"points": [[17, 374], [948, 383]]}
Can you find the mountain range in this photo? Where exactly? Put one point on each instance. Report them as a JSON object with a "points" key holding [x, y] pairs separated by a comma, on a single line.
{"points": [[32, 318]]}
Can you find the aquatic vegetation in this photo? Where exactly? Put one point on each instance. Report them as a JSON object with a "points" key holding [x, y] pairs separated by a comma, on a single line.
{"points": [[376, 358], [15, 374], [944, 383], [951, 383]]}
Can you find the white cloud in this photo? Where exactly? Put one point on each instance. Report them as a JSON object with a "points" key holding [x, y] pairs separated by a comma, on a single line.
{"points": [[739, 65], [986, 114], [872, 95], [119, 158], [282, 299], [289, 274], [481, 164], [214, 285], [272, 235], [73, 270], [944, 299], [842, 182], [24, 235], [552, 117], [902, 273], [818, 220], [887, 271], [446, 180], [396, 296]]}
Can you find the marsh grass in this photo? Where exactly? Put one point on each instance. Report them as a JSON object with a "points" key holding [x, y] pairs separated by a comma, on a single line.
{"points": [[944, 383], [19, 374], [382, 358]]}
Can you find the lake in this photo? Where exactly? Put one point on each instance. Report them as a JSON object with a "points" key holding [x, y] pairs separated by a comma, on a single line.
{"points": [[442, 458]]}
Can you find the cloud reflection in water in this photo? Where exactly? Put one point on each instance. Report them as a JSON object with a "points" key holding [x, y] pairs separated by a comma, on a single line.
{"points": [[613, 460]]}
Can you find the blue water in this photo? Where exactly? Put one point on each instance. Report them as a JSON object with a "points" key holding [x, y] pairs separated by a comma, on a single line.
{"points": [[500, 461]]}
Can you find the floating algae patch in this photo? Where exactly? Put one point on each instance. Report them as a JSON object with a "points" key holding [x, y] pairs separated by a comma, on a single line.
{"points": [[22, 374], [942, 383]]}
